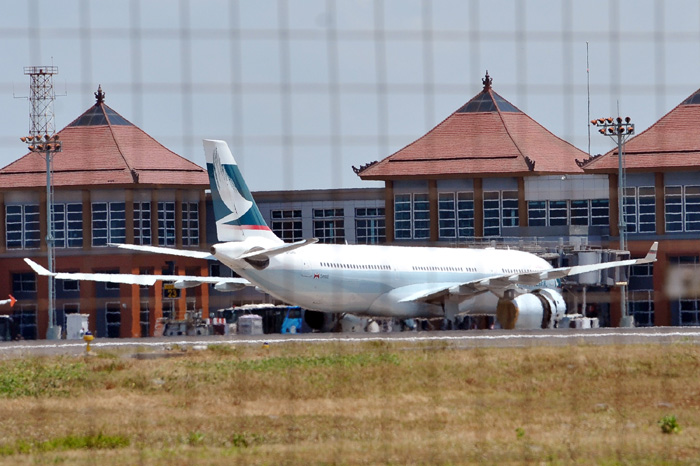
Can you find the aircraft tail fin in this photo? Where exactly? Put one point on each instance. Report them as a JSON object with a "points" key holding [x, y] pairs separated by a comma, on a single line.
{"points": [[237, 215]]}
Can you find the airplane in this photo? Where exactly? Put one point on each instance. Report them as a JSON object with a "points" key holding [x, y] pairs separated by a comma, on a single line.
{"points": [[519, 288]]}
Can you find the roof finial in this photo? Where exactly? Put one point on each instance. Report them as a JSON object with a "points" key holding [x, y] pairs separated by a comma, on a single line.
{"points": [[487, 81], [99, 95]]}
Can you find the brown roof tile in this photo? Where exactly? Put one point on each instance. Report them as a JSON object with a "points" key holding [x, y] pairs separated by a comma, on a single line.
{"points": [[100, 147], [671, 143], [486, 136]]}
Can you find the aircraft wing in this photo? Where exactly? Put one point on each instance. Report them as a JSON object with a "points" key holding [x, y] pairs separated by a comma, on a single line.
{"points": [[497, 284], [169, 251], [179, 281]]}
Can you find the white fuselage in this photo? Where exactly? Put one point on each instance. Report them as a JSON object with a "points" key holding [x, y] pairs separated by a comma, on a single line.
{"points": [[373, 280]]}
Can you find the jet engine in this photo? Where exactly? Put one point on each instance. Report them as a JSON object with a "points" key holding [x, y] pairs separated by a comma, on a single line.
{"points": [[538, 309], [320, 321]]}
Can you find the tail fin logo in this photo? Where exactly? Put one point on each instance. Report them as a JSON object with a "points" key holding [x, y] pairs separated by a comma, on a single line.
{"points": [[230, 195]]}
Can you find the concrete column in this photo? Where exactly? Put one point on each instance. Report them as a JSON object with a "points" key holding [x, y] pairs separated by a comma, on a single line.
{"points": [[87, 220], [154, 219], [178, 218], [389, 210], [203, 298], [478, 207], [131, 316], [157, 308], [659, 183], [433, 203], [3, 238], [522, 204], [202, 219], [129, 215]]}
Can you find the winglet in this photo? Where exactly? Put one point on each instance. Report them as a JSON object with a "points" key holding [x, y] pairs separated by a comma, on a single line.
{"points": [[12, 300], [39, 270], [651, 255]]}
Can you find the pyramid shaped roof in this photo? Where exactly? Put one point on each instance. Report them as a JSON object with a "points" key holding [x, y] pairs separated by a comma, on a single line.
{"points": [[486, 136], [672, 143], [101, 147]]}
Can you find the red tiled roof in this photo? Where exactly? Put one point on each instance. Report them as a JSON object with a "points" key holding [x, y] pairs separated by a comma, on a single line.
{"points": [[488, 135], [102, 148], [673, 142]]}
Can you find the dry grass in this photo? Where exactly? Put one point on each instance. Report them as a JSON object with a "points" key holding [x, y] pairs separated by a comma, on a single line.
{"points": [[374, 403]]}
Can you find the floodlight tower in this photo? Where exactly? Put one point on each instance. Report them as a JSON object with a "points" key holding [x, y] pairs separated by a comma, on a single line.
{"points": [[43, 139], [620, 130]]}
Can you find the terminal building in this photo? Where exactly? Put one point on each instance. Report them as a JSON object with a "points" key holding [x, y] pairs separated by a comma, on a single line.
{"points": [[488, 175]]}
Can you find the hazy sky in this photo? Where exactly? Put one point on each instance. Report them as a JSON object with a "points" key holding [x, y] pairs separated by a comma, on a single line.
{"points": [[304, 89]]}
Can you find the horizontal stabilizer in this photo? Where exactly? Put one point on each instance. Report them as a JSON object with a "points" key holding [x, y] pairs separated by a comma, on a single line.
{"points": [[263, 254]]}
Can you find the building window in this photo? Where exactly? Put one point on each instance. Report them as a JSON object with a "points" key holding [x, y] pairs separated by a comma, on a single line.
{"points": [[190, 224], [673, 201], [113, 319], [370, 225], [142, 223], [447, 215], [558, 213], [286, 224], [68, 225], [166, 223], [25, 318], [24, 283], [688, 305], [579, 212], [537, 213], [145, 319], [646, 202], [465, 214], [682, 208], [411, 216], [168, 309], [402, 216], [492, 211], [456, 220], [692, 208], [500, 210], [640, 209], [22, 226], [329, 225], [509, 209], [600, 212], [70, 285], [421, 216], [108, 223], [641, 294]]}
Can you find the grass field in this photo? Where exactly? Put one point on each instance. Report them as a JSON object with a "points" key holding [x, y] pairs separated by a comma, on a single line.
{"points": [[360, 403]]}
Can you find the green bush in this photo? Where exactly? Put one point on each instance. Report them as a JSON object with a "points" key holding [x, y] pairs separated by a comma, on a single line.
{"points": [[669, 425]]}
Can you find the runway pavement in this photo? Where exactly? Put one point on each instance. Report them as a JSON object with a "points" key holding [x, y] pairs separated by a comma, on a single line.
{"points": [[459, 339]]}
